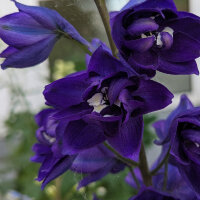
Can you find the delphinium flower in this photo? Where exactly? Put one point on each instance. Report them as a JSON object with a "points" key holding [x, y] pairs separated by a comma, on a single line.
{"points": [[53, 163], [152, 35], [31, 34], [95, 162], [181, 132], [104, 102]]}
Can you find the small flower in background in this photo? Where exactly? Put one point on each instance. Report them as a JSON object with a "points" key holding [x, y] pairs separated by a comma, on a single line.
{"points": [[152, 35], [31, 34], [105, 102]]}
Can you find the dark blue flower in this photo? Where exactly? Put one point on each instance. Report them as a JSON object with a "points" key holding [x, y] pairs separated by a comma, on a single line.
{"points": [[152, 35], [151, 194], [53, 163], [105, 102], [181, 131], [95, 162], [176, 185], [31, 34]]}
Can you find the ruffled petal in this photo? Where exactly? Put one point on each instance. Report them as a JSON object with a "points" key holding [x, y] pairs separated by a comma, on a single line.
{"points": [[153, 95]]}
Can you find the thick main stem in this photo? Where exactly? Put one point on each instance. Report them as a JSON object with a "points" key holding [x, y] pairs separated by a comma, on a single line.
{"points": [[101, 5], [144, 169]]}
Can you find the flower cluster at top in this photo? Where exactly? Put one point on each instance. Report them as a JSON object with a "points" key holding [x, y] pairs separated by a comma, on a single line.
{"points": [[94, 123]]}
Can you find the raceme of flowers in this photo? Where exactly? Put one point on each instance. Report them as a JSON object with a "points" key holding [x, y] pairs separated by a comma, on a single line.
{"points": [[94, 123]]}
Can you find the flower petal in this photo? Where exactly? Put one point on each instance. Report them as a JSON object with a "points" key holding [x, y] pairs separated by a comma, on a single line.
{"points": [[140, 45], [184, 49], [19, 25], [191, 174], [67, 91], [92, 160], [80, 136], [30, 55], [159, 4], [51, 20], [153, 95], [60, 167], [102, 63], [128, 140], [183, 68], [97, 175]]}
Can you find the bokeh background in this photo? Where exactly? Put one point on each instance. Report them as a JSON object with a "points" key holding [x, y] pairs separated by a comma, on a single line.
{"points": [[21, 98]]}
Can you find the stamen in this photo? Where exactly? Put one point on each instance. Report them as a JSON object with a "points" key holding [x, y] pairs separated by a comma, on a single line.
{"points": [[159, 42], [49, 138], [96, 100], [98, 103], [168, 30], [197, 144]]}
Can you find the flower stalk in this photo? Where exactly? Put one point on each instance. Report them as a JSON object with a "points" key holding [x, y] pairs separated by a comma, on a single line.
{"points": [[101, 6], [127, 161], [163, 161], [143, 165]]}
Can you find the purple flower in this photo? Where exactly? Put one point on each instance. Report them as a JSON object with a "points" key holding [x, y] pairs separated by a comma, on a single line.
{"points": [[105, 102], [151, 194], [176, 185], [53, 164], [181, 131], [31, 34], [95, 162], [152, 35]]}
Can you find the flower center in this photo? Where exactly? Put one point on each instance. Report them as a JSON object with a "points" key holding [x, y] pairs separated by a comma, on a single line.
{"points": [[100, 100], [49, 138], [164, 39]]}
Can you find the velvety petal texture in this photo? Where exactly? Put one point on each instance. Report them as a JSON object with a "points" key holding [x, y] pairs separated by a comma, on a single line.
{"points": [[152, 35], [40, 29]]}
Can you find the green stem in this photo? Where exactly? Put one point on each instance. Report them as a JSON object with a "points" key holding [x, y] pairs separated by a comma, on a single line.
{"points": [[134, 178], [120, 157], [153, 172], [144, 169], [101, 5], [165, 175], [65, 35]]}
